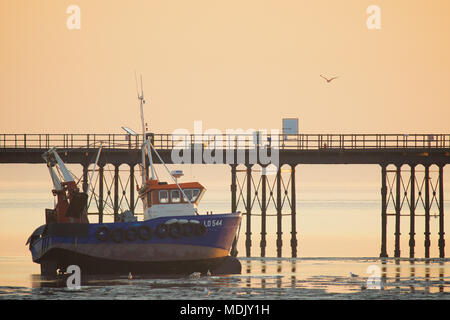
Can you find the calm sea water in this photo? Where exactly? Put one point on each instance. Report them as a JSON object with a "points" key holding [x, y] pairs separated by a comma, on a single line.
{"points": [[267, 278]]}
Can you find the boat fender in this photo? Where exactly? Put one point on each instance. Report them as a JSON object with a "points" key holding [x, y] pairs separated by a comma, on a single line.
{"points": [[200, 229], [175, 230], [183, 221], [144, 232], [188, 229], [131, 234], [162, 230], [117, 235], [102, 233], [194, 221], [171, 221]]}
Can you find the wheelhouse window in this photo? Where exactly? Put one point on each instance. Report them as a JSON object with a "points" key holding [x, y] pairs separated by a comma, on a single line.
{"points": [[175, 196], [191, 194], [195, 194], [187, 194], [163, 196]]}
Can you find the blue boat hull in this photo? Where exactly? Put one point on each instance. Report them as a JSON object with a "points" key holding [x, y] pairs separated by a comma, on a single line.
{"points": [[192, 244]]}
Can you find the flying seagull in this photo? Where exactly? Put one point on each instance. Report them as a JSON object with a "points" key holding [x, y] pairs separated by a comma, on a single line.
{"points": [[329, 80]]}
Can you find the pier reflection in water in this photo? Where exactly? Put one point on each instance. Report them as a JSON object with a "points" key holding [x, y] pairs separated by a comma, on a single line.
{"points": [[332, 276], [261, 278]]}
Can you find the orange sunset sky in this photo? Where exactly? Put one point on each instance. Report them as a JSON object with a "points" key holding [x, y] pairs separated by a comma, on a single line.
{"points": [[230, 63]]}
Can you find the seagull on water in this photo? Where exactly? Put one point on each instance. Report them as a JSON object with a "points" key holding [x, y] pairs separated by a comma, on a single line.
{"points": [[195, 275]]}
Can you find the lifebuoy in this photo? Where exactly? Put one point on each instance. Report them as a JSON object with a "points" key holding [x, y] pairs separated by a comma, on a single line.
{"points": [[162, 230], [102, 233], [144, 233], [131, 234], [188, 229], [117, 235], [175, 230]]}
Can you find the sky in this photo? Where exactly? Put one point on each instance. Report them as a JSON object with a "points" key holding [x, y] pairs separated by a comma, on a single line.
{"points": [[231, 64]]}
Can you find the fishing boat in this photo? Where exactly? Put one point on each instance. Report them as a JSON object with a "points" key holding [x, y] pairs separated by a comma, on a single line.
{"points": [[172, 238]]}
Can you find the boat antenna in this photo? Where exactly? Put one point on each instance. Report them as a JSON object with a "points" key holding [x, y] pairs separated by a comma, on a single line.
{"points": [[137, 87], [144, 136]]}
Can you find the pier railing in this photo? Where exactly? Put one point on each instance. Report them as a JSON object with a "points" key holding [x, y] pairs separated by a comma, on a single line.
{"points": [[232, 141]]}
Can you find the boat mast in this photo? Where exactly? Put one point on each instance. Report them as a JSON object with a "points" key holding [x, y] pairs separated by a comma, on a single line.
{"points": [[93, 170], [148, 146], [144, 138]]}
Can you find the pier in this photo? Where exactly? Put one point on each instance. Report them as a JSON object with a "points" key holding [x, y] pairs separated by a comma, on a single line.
{"points": [[402, 159]]}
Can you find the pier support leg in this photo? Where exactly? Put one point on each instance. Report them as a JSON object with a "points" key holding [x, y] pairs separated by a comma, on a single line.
{"points": [[427, 211], [85, 177], [233, 188], [116, 193], [383, 253], [441, 213], [397, 212], [100, 193], [412, 212], [293, 214], [132, 187], [263, 212], [248, 241], [279, 210]]}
